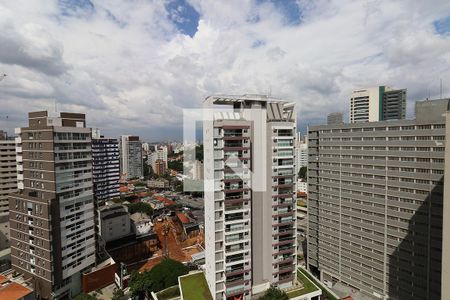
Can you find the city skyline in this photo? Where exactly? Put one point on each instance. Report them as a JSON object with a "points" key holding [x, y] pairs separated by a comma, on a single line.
{"points": [[147, 61]]}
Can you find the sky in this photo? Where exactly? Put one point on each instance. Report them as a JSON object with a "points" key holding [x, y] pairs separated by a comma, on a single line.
{"points": [[133, 66]]}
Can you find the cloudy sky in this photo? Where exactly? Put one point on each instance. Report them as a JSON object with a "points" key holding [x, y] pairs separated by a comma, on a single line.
{"points": [[132, 66]]}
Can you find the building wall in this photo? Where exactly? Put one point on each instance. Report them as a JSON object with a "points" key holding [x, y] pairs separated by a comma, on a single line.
{"points": [[52, 218], [249, 180], [114, 223], [8, 184], [445, 288], [131, 161], [105, 169], [99, 279], [373, 189]]}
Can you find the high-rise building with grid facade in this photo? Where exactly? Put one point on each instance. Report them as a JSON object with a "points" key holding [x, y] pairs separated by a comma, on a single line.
{"points": [[250, 223], [52, 216], [131, 161], [105, 168], [375, 204], [379, 103]]}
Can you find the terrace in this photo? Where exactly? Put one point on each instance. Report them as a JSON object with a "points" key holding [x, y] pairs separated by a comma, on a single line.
{"points": [[193, 287]]}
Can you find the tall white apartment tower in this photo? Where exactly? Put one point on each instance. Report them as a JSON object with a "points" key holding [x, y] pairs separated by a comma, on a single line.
{"points": [[249, 175], [381, 103], [131, 163]]}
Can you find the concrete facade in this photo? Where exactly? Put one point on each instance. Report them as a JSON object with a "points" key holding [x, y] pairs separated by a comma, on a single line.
{"points": [[52, 217], [114, 222], [249, 196], [105, 169], [131, 161], [8, 184], [375, 205], [379, 103]]}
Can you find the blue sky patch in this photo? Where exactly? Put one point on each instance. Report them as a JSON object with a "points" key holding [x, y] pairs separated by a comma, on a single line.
{"points": [[289, 8], [184, 16], [442, 26], [76, 8]]}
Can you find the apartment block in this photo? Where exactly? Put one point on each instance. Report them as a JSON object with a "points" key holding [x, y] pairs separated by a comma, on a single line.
{"points": [[8, 184], [445, 277], [131, 161], [335, 118], [375, 204], [250, 223], [379, 103], [52, 217], [105, 168], [158, 157]]}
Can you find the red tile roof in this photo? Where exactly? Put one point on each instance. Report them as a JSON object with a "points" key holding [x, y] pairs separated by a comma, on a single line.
{"points": [[165, 200], [13, 290], [183, 218]]}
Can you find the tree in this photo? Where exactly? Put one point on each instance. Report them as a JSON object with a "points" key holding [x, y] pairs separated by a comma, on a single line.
{"points": [[176, 165], [302, 173], [118, 294], [141, 207], [166, 273], [163, 275], [274, 294], [86, 297], [140, 284]]}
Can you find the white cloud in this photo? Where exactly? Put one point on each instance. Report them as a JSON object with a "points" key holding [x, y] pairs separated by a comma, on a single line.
{"points": [[127, 66]]}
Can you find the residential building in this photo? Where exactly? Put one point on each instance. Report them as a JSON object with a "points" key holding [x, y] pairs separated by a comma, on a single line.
{"points": [[8, 184], [301, 157], [375, 203], [379, 103], [52, 217], [159, 167], [335, 118], [131, 161], [158, 159], [105, 168], [3, 135], [250, 223], [445, 288], [114, 222], [159, 183]]}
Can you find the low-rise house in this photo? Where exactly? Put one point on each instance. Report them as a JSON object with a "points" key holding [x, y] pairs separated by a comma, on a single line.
{"points": [[190, 226], [142, 223], [159, 183], [15, 288]]}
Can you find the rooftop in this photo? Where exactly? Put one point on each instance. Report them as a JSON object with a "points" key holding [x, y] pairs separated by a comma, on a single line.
{"points": [[12, 290], [193, 287]]}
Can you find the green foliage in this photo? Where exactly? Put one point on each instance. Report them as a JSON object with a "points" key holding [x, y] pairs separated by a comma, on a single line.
{"points": [[166, 273], [176, 165], [303, 173], [141, 207], [86, 297], [139, 183], [169, 293], [274, 294], [118, 294], [140, 284], [162, 276]]}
